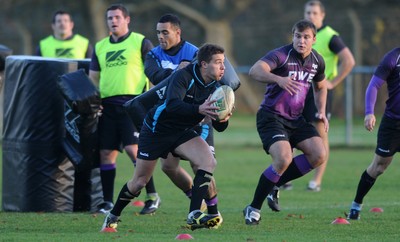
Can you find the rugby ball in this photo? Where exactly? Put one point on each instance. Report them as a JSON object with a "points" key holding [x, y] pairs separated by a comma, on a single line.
{"points": [[224, 99]]}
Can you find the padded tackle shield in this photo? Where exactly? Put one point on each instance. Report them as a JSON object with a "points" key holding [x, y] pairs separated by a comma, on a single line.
{"points": [[37, 176], [230, 77], [82, 103], [80, 143]]}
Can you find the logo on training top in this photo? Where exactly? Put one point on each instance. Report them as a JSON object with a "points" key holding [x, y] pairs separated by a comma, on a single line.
{"points": [[314, 67], [66, 53], [115, 58], [302, 75], [161, 92], [168, 65]]}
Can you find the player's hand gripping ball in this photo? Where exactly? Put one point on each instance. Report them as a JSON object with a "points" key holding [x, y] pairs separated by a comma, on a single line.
{"points": [[225, 100]]}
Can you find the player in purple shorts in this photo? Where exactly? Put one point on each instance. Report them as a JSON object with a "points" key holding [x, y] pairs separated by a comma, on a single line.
{"points": [[388, 142], [289, 72]]}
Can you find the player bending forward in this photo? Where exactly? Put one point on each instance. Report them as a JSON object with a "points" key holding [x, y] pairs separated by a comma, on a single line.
{"points": [[168, 128]]}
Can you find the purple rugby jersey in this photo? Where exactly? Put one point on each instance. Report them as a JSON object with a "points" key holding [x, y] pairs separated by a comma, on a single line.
{"points": [[389, 70], [286, 61]]}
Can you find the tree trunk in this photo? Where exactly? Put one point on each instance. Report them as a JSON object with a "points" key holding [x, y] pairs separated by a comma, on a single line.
{"points": [[97, 11]]}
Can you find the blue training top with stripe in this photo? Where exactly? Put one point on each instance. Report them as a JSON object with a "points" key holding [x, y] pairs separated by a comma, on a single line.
{"points": [[186, 91]]}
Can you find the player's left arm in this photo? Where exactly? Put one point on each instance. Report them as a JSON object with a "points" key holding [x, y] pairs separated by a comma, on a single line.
{"points": [[346, 61], [320, 94]]}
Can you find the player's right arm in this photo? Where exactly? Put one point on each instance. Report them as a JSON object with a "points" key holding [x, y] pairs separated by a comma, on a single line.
{"points": [[153, 69], [95, 77], [94, 69], [261, 72]]}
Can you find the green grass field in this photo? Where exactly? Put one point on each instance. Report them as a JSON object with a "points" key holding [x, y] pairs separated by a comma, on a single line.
{"points": [[305, 216]]}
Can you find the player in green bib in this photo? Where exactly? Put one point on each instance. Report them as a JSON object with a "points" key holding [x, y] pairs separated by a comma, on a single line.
{"points": [[117, 67], [339, 62], [63, 43]]}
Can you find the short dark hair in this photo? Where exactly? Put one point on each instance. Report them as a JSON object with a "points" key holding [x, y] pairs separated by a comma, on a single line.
{"points": [[316, 3], [60, 12], [303, 25], [170, 18], [118, 6], [206, 52]]}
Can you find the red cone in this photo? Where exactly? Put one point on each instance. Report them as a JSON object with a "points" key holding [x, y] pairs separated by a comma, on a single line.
{"points": [[340, 220], [138, 203], [109, 230], [183, 236], [376, 210]]}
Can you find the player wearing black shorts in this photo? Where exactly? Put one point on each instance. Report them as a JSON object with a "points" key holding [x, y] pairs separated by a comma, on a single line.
{"points": [[290, 71], [174, 53], [117, 67], [168, 128], [64, 43], [339, 62], [388, 71]]}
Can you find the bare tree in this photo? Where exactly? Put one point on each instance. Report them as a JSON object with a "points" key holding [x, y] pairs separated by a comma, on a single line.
{"points": [[97, 12]]}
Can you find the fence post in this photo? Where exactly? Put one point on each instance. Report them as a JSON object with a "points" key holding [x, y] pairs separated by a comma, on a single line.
{"points": [[349, 109]]}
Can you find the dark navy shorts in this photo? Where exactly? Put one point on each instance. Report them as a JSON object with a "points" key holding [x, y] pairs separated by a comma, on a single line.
{"points": [[388, 142], [206, 132], [153, 145], [116, 128], [272, 128]]}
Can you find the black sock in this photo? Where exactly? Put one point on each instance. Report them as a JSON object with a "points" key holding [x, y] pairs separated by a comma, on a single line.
{"points": [[150, 188], [188, 193], [124, 198], [263, 188], [107, 182], [201, 182], [365, 184], [291, 173]]}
